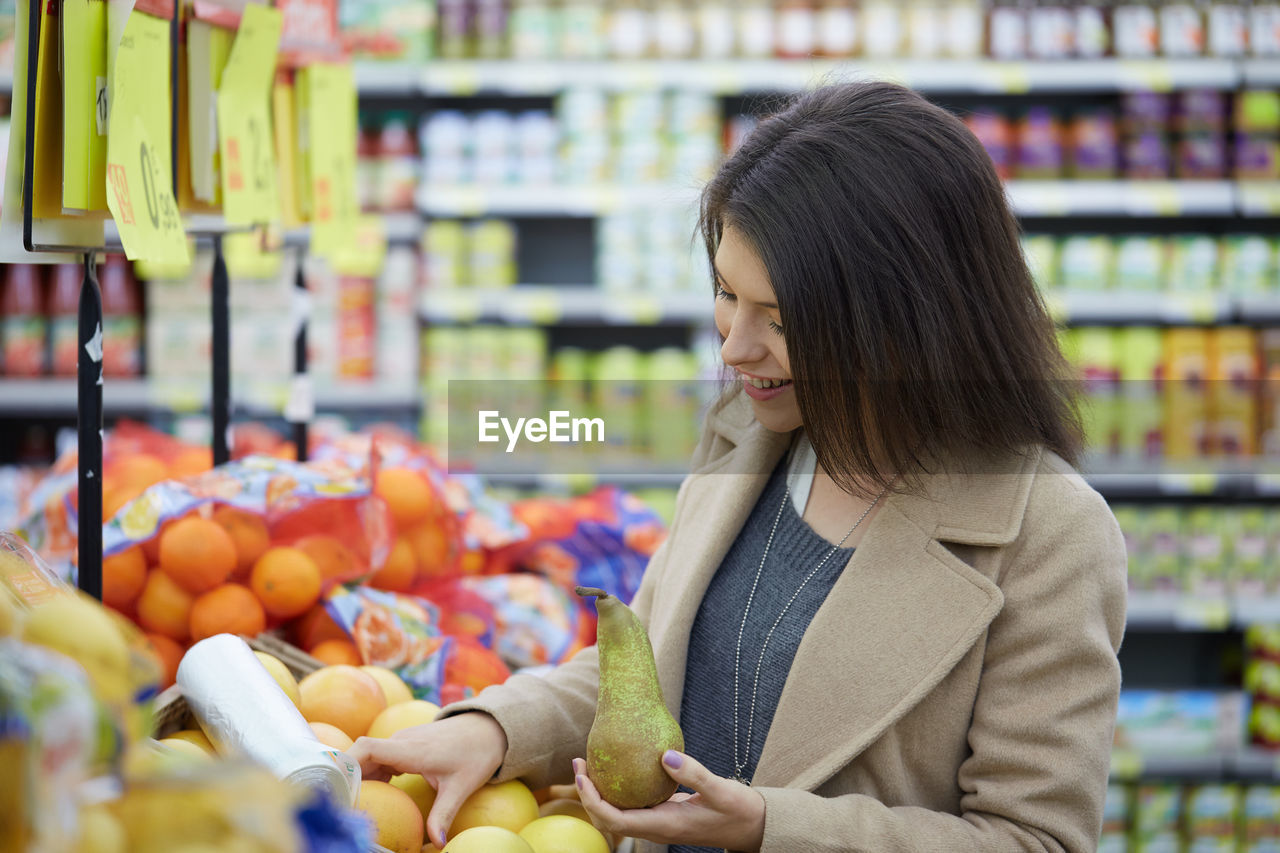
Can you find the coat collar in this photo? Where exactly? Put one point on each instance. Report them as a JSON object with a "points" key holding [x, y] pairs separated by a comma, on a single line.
{"points": [[900, 616]]}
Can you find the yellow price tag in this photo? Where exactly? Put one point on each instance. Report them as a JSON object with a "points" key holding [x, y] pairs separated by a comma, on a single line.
{"points": [[247, 256], [1205, 614], [140, 197], [332, 132], [541, 309], [455, 79], [178, 397], [608, 199], [1011, 78], [245, 140], [1202, 483], [364, 254], [1126, 764], [639, 310], [1153, 75], [1202, 308]]}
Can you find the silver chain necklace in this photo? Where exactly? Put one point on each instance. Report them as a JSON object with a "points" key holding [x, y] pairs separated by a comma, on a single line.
{"points": [[739, 767]]}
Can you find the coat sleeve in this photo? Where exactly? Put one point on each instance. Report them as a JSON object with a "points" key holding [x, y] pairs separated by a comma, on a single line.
{"points": [[547, 718], [1033, 781]]}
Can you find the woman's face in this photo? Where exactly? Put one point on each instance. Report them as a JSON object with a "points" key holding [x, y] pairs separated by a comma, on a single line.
{"points": [[747, 317]]}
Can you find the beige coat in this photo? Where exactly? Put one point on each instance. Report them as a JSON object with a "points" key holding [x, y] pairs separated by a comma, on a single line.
{"points": [[956, 691]]}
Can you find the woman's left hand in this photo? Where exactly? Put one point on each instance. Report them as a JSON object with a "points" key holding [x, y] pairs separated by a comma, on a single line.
{"points": [[722, 813]]}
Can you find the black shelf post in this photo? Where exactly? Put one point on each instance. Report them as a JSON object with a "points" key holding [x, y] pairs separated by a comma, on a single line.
{"points": [[89, 430], [300, 380], [220, 403]]}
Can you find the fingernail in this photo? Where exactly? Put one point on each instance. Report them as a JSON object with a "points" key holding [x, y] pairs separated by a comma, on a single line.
{"points": [[578, 780], [672, 759]]}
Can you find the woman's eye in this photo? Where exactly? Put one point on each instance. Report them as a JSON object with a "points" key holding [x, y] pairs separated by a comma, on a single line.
{"points": [[721, 293], [775, 327]]}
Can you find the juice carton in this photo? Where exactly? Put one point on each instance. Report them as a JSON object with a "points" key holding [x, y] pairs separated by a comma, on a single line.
{"points": [[1139, 423], [1113, 842], [1252, 557], [1206, 552], [1193, 264], [1233, 400], [1260, 814], [1140, 263], [1248, 264], [1211, 811], [1155, 811], [1041, 251], [1160, 842], [1269, 392], [1130, 519], [1100, 371], [1115, 810], [1163, 567], [1085, 262], [1186, 399]]}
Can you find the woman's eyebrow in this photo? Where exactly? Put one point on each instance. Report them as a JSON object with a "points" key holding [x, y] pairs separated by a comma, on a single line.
{"points": [[720, 278]]}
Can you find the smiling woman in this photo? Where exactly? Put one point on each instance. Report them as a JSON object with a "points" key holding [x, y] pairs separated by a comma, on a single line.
{"points": [[888, 610]]}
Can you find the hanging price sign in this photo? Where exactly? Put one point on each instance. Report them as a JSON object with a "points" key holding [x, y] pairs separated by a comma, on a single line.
{"points": [[245, 139], [141, 199], [331, 119]]}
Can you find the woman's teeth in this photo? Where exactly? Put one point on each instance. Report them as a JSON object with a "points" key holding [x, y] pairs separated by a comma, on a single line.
{"points": [[766, 383]]}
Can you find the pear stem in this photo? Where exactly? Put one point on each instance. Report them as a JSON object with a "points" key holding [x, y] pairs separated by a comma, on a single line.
{"points": [[591, 592]]}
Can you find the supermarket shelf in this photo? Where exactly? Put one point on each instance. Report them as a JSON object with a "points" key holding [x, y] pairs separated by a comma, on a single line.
{"points": [[1028, 198], [402, 227], [1122, 198], [548, 200], [58, 396], [1133, 307], [1258, 309], [1244, 765], [470, 77], [1244, 479], [1259, 198], [1156, 611], [1261, 72], [546, 306]]}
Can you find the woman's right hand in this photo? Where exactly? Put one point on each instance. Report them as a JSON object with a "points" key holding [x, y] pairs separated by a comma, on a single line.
{"points": [[455, 755]]}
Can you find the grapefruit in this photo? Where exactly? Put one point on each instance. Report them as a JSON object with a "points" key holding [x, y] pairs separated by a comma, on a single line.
{"points": [[332, 736], [342, 696], [564, 834], [393, 688], [282, 675], [418, 789], [416, 712], [510, 805], [397, 822], [487, 839]]}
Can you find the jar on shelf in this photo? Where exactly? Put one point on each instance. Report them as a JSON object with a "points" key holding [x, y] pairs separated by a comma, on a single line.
{"points": [[925, 29], [755, 29], [1264, 28], [716, 30], [1007, 30], [455, 23], [631, 25], [675, 32], [838, 31], [883, 29], [1092, 25], [1136, 30], [533, 30], [1050, 30], [491, 23], [1228, 30], [582, 29], [1182, 30], [963, 28], [796, 25]]}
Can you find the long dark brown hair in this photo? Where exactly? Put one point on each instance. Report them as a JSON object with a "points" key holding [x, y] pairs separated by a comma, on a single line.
{"points": [[913, 327]]}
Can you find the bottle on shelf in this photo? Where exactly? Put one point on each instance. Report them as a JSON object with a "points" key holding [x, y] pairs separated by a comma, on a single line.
{"points": [[925, 29], [64, 320], [796, 27], [397, 171], [1092, 26], [962, 29], [755, 29], [533, 30], [631, 28], [454, 18], [582, 29], [121, 319], [716, 36], [1050, 30], [1182, 29], [1228, 29], [674, 33], [1136, 30], [491, 27], [838, 31], [1007, 30], [23, 327]]}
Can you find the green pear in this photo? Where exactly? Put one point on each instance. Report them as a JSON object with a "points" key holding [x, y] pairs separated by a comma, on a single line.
{"points": [[633, 727]]}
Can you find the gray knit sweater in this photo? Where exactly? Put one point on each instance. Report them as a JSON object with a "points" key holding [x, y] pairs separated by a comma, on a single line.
{"points": [[707, 709]]}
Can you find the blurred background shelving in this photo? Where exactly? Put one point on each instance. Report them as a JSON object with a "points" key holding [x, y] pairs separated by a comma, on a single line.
{"points": [[536, 167]]}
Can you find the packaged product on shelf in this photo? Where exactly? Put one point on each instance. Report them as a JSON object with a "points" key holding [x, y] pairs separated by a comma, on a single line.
{"points": [[492, 255], [672, 406], [1233, 381], [1050, 31], [538, 619], [674, 33], [1264, 28], [1155, 818], [630, 29], [1227, 29], [1249, 264], [399, 30], [356, 323], [446, 141], [1099, 369], [1093, 151], [397, 172], [838, 30], [1260, 813], [455, 28], [1186, 394], [1115, 810], [996, 133], [491, 22], [1040, 145], [536, 139], [396, 311], [1164, 561], [1135, 30], [533, 33], [64, 320], [1133, 529], [620, 251], [493, 147], [1007, 30], [1211, 811], [754, 28], [1140, 424], [1093, 35], [1085, 262], [1207, 553], [1269, 399], [1253, 557], [617, 380], [582, 28], [924, 26], [1201, 156], [1182, 30], [1193, 264], [23, 322], [445, 255], [1041, 252], [1141, 261]]}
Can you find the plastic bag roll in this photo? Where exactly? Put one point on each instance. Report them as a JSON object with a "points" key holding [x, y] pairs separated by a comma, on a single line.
{"points": [[244, 712]]}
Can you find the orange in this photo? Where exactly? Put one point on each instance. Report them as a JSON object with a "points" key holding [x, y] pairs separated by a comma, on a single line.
{"points": [[415, 712], [190, 462], [249, 534], [170, 655], [164, 607], [334, 560], [392, 686], [337, 651], [407, 494], [396, 819], [228, 609], [198, 554], [286, 581], [315, 627], [332, 736], [152, 546], [430, 545], [138, 471], [123, 576], [398, 572], [114, 497], [341, 696]]}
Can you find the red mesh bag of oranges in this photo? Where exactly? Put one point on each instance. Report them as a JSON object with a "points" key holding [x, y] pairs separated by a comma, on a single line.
{"points": [[248, 546]]}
